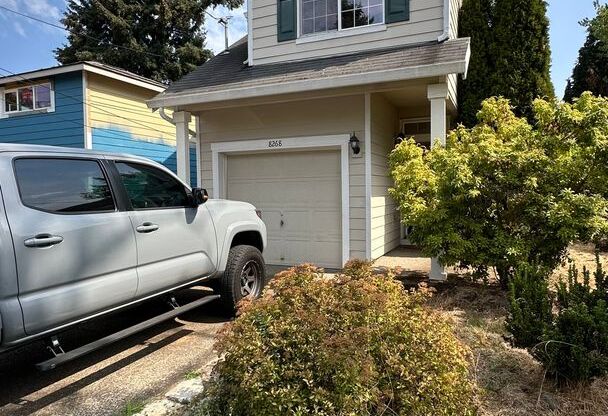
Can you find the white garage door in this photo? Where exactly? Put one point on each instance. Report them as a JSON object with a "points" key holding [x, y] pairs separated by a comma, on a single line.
{"points": [[299, 194]]}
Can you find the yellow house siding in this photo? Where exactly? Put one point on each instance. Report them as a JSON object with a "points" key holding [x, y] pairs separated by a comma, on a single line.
{"points": [[385, 220], [306, 118]]}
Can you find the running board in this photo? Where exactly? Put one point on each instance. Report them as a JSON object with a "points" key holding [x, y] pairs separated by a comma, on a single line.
{"points": [[95, 345]]}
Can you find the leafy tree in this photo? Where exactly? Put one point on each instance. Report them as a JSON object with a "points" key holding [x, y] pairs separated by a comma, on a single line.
{"points": [[510, 54], [504, 192], [591, 70], [162, 40]]}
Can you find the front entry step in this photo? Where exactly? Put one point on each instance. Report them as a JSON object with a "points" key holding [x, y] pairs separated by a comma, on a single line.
{"points": [[64, 357]]}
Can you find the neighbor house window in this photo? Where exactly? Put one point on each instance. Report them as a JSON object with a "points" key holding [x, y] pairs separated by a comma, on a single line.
{"points": [[28, 98], [318, 16]]}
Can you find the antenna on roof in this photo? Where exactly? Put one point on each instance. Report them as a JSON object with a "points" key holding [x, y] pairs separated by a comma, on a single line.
{"points": [[224, 22]]}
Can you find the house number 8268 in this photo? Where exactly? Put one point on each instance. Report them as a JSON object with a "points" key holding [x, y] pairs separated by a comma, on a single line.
{"points": [[275, 143]]}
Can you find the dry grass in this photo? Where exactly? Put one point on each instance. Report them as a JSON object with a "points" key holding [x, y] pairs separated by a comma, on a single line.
{"points": [[510, 381]]}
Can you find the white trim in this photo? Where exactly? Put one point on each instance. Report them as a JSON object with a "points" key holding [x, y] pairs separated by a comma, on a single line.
{"points": [[124, 78], [197, 138], [219, 151], [359, 79], [33, 85], [320, 36], [88, 136], [339, 32], [250, 32], [368, 176], [80, 67]]}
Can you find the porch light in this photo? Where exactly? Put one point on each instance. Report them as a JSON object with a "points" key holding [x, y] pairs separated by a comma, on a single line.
{"points": [[354, 144]]}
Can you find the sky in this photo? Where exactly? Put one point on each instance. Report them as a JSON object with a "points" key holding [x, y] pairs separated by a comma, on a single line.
{"points": [[28, 45]]}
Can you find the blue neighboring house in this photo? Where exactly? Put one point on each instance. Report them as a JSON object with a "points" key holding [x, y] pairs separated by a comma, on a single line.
{"points": [[89, 105]]}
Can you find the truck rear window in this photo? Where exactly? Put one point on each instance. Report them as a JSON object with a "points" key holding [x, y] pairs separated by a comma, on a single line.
{"points": [[63, 185]]}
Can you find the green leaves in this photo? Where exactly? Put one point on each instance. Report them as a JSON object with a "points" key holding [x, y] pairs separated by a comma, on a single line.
{"points": [[159, 40], [505, 192], [510, 54], [353, 344]]}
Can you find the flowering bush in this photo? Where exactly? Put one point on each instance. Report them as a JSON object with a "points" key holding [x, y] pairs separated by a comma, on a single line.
{"points": [[356, 344]]}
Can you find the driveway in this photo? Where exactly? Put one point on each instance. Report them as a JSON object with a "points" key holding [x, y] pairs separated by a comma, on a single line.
{"points": [[131, 371]]}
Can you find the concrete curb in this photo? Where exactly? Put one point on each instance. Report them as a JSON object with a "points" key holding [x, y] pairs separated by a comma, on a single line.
{"points": [[177, 400]]}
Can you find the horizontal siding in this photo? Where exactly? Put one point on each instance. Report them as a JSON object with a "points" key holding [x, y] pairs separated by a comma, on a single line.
{"points": [[120, 121], [385, 220], [425, 24], [339, 115], [455, 6], [63, 127]]}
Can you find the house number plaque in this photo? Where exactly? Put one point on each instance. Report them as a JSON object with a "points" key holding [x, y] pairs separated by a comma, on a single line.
{"points": [[275, 143]]}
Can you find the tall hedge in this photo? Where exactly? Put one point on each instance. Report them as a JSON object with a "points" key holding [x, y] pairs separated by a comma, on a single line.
{"points": [[510, 54]]}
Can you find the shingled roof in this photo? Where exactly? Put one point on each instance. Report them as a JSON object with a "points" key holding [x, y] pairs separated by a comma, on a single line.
{"points": [[228, 71]]}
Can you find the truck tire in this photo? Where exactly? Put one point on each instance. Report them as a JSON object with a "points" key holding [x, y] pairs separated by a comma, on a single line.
{"points": [[244, 276]]}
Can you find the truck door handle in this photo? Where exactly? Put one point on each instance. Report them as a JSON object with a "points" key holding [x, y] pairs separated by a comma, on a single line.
{"points": [[43, 240], [147, 227]]}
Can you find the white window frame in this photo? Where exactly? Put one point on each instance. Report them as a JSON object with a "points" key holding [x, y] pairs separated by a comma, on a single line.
{"points": [[340, 32], [4, 91]]}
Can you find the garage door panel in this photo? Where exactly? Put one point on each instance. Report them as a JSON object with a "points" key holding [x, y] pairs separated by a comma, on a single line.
{"points": [[299, 194]]}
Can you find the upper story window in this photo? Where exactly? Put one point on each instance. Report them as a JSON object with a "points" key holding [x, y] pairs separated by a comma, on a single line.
{"points": [[319, 16], [28, 98]]}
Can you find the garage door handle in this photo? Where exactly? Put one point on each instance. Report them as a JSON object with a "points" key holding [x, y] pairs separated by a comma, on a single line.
{"points": [[147, 227], [44, 240]]}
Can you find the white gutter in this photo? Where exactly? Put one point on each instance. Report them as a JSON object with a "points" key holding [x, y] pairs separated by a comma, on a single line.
{"points": [[446, 22], [250, 32], [169, 119]]}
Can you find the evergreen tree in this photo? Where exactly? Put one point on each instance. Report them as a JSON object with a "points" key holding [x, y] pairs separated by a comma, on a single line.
{"points": [[591, 70], [475, 20], [162, 40], [522, 53], [510, 54]]}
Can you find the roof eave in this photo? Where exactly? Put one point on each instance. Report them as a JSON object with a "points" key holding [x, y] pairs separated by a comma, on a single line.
{"points": [[366, 78], [83, 66]]}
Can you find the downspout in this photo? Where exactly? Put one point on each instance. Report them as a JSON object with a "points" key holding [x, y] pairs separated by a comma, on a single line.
{"points": [[446, 22], [169, 119]]}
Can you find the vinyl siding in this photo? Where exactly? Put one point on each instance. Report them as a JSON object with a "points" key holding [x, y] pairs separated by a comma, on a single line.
{"points": [[385, 220], [425, 25], [455, 6], [63, 127], [306, 118], [121, 122]]}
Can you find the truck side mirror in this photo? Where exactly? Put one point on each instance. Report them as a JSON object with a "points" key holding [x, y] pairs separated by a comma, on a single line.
{"points": [[199, 196]]}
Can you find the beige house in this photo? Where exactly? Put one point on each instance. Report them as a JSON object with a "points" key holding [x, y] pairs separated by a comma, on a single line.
{"points": [[299, 116]]}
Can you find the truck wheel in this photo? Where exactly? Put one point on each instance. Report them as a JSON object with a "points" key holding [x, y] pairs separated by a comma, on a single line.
{"points": [[244, 277]]}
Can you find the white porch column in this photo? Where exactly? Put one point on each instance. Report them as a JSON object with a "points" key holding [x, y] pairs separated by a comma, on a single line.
{"points": [[437, 95], [182, 133]]}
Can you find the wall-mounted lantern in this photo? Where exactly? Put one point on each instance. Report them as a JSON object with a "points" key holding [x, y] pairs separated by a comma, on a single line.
{"points": [[354, 144]]}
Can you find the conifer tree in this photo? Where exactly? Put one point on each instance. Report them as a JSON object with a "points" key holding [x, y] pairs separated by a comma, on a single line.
{"points": [[475, 19], [510, 54], [522, 53], [591, 70], [162, 40]]}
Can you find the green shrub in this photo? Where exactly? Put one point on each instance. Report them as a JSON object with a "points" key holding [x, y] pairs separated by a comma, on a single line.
{"points": [[529, 307], [507, 192], [575, 346], [356, 344]]}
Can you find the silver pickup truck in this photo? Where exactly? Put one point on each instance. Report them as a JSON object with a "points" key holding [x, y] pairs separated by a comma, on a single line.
{"points": [[84, 233]]}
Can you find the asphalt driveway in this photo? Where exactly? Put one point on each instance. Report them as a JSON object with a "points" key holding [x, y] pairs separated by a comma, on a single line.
{"points": [[131, 371]]}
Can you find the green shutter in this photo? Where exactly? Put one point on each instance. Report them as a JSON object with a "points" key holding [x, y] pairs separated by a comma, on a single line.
{"points": [[286, 20], [397, 10]]}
